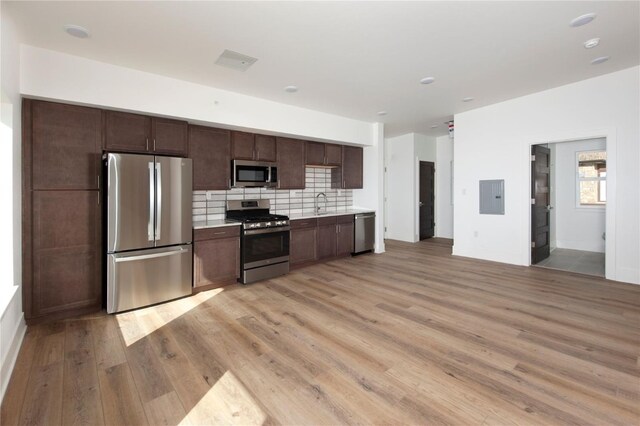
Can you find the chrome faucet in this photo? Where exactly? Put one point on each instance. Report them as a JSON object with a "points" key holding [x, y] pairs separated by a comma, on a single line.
{"points": [[317, 207]]}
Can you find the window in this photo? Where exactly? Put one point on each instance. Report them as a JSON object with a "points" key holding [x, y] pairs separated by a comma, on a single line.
{"points": [[592, 178]]}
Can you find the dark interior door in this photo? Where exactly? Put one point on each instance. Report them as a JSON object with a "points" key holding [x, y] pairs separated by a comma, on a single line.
{"points": [[540, 160], [427, 191]]}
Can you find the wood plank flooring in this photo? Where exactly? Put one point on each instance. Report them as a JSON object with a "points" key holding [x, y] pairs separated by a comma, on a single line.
{"points": [[413, 336]]}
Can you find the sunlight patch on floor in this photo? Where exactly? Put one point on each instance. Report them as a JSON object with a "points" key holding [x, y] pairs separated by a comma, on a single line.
{"points": [[132, 329], [228, 402]]}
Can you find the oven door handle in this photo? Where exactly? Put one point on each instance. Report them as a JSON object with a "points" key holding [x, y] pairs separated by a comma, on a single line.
{"points": [[266, 230]]}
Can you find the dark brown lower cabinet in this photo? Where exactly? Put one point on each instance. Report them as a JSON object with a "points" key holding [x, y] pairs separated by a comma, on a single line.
{"points": [[302, 245], [216, 260], [327, 237], [321, 239], [345, 235], [66, 256]]}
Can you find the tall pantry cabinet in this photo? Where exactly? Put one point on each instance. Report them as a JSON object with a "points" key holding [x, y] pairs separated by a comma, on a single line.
{"points": [[62, 146]]}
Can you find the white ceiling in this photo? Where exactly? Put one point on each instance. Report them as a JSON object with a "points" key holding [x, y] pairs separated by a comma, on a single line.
{"points": [[352, 58]]}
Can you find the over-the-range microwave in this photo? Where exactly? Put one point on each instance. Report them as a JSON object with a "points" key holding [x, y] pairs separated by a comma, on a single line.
{"points": [[253, 174]]}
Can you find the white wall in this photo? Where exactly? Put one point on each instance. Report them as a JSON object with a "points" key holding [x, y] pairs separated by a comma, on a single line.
{"points": [[53, 75], [444, 201], [371, 196], [401, 201], [402, 158], [576, 228], [12, 326], [494, 143]]}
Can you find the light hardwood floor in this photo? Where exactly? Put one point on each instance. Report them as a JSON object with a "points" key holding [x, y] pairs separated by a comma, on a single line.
{"points": [[413, 336]]}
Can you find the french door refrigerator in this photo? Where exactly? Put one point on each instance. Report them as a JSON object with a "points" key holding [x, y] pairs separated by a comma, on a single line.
{"points": [[149, 253]]}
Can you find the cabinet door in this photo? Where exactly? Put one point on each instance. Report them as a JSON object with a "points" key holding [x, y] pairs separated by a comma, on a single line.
{"points": [[291, 159], [216, 262], [315, 153], [210, 150], [351, 167], [127, 132], [242, 146], [66, 253], [169, 137], [265, 148], [66, 146], [345, 239], [326, 241], [333, 154], [302, 245]]}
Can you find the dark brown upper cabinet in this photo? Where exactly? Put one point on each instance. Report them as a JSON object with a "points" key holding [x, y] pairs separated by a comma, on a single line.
{"points": [[169, 136], [323, 154], [242, 146], [210, 150], [265, 148], [351, 167], [333, 154], [66, 145], [127, 132], [315, 153], [291, 162], [247, 146]]}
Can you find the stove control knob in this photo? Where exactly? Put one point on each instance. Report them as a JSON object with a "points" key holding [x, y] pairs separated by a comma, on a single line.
{"points": [[267, 224]]}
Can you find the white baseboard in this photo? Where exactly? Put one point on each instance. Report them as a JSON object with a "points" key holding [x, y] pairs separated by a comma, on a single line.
{"points": [[12, 355]]}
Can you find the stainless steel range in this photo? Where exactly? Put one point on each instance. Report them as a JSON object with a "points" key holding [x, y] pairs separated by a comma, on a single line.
{"points": [[264, 242]]}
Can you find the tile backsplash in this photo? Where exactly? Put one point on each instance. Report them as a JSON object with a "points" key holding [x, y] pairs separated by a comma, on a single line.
{"points": [[283, 201]]}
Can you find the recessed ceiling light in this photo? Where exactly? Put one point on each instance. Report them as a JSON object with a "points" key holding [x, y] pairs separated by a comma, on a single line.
{"points": [[599, 60], [427, 80], [590, 44], [434, 126], [467, 99], [76, 31], [582, 20], [291, 89], [382, 113]]}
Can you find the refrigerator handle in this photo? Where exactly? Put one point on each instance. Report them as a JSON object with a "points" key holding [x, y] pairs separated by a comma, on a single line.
{"points": [[152, 200], [158, 200]]}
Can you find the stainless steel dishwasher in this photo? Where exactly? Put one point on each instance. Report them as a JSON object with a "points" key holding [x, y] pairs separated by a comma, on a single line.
{"points": [[365, 232]]}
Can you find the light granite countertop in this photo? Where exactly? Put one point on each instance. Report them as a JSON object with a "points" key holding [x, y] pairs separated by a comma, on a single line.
{"points": [[202, 224], [218, 223], [312, 215]]}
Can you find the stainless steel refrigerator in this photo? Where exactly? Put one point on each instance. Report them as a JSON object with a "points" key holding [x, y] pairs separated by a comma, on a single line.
{"points": [[149, 253]]}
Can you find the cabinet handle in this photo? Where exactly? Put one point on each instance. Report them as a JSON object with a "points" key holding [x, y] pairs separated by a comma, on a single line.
{"points": [[98, 179], [344, 184], [154, 144], [147, 144], [219, 233]]}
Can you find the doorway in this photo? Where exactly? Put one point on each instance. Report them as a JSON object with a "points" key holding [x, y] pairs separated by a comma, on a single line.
{"points": [[568, 205], [427, 200]]}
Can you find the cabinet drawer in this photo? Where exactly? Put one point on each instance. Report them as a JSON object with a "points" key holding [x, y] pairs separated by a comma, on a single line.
{"points": [[348, 218], [331, 220], [303, 223], [214, 233]]}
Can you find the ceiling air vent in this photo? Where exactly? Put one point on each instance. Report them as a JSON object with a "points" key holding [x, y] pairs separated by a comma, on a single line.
{"points": [[235, 61]]}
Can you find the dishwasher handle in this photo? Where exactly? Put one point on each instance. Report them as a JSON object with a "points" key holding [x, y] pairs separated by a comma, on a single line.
{"points": [[365, 215]]}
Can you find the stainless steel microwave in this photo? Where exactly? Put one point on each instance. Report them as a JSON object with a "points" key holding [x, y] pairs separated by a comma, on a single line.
{"points": [[253, 174]]}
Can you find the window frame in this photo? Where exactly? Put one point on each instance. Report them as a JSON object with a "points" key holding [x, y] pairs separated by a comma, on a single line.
{"points": [[598, 179]]}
